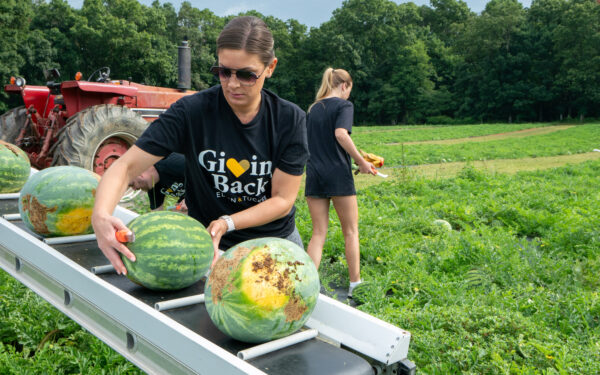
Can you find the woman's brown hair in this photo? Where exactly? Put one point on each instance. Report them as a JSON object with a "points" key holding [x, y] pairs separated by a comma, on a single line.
{"points": [[250, 34]]}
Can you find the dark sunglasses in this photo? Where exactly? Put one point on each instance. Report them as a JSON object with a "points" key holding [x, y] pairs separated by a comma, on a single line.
{"points": [[244, 77]]}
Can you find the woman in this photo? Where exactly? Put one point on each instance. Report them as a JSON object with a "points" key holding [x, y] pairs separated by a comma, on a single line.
{"points": [[329, 169], [245, 150]]}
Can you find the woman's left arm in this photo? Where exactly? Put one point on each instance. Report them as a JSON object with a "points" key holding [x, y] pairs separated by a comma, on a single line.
{"points": [[284, 190]]}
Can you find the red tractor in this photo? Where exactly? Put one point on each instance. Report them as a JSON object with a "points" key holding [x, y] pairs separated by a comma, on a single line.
{"points": [[86, 123]]}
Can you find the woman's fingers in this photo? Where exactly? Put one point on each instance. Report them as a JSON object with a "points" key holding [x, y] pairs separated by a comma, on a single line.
{"points": [[106, 234], [216, 232]]}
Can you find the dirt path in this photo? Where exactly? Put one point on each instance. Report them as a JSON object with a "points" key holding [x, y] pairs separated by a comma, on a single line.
{"points": [[447, 170], [492, 137]]}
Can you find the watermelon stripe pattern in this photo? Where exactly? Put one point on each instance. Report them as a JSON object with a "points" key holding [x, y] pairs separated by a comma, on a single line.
{"points": [[14, 168], [172, 251], [262, 289], [58, 201]]}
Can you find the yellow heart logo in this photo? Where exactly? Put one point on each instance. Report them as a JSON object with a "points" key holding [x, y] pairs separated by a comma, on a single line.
{"points": [[237, 168]]}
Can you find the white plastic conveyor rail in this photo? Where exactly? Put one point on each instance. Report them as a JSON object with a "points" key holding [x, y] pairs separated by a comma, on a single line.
{"points": [[152, 340]]}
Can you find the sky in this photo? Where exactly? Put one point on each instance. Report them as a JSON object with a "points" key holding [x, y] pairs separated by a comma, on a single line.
{"points": [[311, 13]]}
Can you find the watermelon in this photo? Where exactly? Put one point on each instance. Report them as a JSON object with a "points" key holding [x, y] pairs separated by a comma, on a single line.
{"points": [[172, 251], [262, 289], [443, 224], [14, 168], [58, 201]]}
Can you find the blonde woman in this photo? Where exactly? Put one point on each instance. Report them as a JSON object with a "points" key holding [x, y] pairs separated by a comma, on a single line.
{"points": [[329, 168]]}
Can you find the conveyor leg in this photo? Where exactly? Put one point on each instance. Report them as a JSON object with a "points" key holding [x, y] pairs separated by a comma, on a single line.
{"points": [[407, 367], [404, 367]]}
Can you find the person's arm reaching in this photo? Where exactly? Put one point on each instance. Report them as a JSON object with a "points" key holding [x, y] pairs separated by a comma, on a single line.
{"points": [[110, 190], [284, 191], [345, 141]]}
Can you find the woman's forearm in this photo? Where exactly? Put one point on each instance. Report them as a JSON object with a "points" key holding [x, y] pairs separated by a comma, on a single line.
{"points": [[116, 179], [347, 144], [262, 213], [284, 191], [113, 184]]}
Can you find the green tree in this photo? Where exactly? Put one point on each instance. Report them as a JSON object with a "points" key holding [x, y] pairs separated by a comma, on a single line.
{"points": [[495, 65], [577, 46], [201, 28], [15, 16], [542, 19], [381, 44]]}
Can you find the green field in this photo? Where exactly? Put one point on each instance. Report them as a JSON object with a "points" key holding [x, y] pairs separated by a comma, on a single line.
{"points": [[512, 289]]}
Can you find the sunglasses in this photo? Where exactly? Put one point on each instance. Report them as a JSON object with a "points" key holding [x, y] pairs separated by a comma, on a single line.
{"points": [[244, 77]]}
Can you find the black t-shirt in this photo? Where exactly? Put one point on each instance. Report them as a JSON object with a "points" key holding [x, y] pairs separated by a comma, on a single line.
{"points": [[329, 169], [171, 180], [229, 165]]}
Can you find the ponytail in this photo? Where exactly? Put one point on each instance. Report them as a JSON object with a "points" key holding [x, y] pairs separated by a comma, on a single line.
{"points": [[332, 78]]}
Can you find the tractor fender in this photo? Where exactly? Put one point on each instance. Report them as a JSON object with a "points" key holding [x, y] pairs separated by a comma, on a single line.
{"points": [[105, 88]]}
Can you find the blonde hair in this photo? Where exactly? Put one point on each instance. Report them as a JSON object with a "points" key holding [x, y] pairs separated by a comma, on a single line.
{"points": [[332, 78]]}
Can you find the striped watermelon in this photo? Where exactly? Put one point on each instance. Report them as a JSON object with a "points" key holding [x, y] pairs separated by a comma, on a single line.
{"points": [[172, 251], [58, 201], [14, 168], [262, 289]]}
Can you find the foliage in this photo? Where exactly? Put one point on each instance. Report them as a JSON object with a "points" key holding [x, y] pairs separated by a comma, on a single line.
{"points": [[574, 140], [427, 64], [513, 288]]}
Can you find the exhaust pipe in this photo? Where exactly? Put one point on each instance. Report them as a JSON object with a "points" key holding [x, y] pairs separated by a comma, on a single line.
{"points": [[184, 66]]}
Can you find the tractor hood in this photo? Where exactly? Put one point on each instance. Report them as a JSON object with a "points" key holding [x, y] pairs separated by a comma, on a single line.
{"points": [[108, 88]]}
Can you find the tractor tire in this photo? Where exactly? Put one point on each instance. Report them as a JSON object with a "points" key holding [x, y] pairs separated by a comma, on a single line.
{"points": [[11, 123], [83, 140]]}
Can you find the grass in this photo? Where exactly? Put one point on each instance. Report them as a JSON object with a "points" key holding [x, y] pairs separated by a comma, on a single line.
{"points": [[512, 289], [494, 137], [574, 140]]}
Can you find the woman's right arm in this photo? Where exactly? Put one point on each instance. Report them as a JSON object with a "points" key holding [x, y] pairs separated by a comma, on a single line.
{"points": [[110, 190], [343, 138]]}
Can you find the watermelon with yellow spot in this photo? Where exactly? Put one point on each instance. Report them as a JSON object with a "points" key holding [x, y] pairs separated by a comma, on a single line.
{"points": [[14, 168], [172, 250], [262, 289], [58, 201]]}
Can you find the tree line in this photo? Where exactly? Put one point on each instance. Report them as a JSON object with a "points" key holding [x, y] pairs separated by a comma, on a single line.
{"points": [[440, 63]]}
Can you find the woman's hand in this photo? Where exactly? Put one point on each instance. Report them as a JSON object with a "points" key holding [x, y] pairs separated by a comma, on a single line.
{"points": [[216, 229], [366, 167], [105, 228], [182, 207]]}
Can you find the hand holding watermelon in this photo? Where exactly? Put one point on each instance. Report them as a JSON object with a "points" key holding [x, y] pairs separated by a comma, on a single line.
{"points": [[172, 250], [105, 228]]}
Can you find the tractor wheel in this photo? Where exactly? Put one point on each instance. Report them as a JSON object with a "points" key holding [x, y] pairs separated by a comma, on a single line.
{"points": [[97, 136], [11, 123]]}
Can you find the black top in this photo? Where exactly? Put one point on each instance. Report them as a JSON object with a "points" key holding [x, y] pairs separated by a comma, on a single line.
{"points": [[329, 169], [229, 165], [171, 180]]}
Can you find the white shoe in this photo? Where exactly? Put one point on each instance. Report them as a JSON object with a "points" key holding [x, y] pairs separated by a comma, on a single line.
{"points": [[352, 286]]}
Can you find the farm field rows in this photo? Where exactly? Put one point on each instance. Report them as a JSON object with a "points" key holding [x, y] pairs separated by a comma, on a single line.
{"points": [[513, 288]]}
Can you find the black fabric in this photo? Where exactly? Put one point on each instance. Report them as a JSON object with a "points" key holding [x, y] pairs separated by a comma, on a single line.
{"points": [[329, 169], [229, 165], [171, 180]]}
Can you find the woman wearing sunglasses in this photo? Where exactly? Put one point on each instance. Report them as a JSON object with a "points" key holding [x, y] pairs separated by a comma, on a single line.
{"points": [[245, 150], [329, 169]]}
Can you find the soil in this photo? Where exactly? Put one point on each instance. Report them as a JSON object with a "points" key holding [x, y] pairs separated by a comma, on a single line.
{"points": [[38, 213], [294, 309], [219, 276]]}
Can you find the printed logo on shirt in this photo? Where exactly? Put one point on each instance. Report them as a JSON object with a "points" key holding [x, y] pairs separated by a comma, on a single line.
{"points": [[175, 190], [226, 172]]}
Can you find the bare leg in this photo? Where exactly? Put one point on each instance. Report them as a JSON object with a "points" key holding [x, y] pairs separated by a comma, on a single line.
{"points": [[347, 211], [319, 214]]}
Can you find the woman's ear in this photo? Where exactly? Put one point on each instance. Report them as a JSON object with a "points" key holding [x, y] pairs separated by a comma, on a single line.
{"points": [[271, 67]]}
